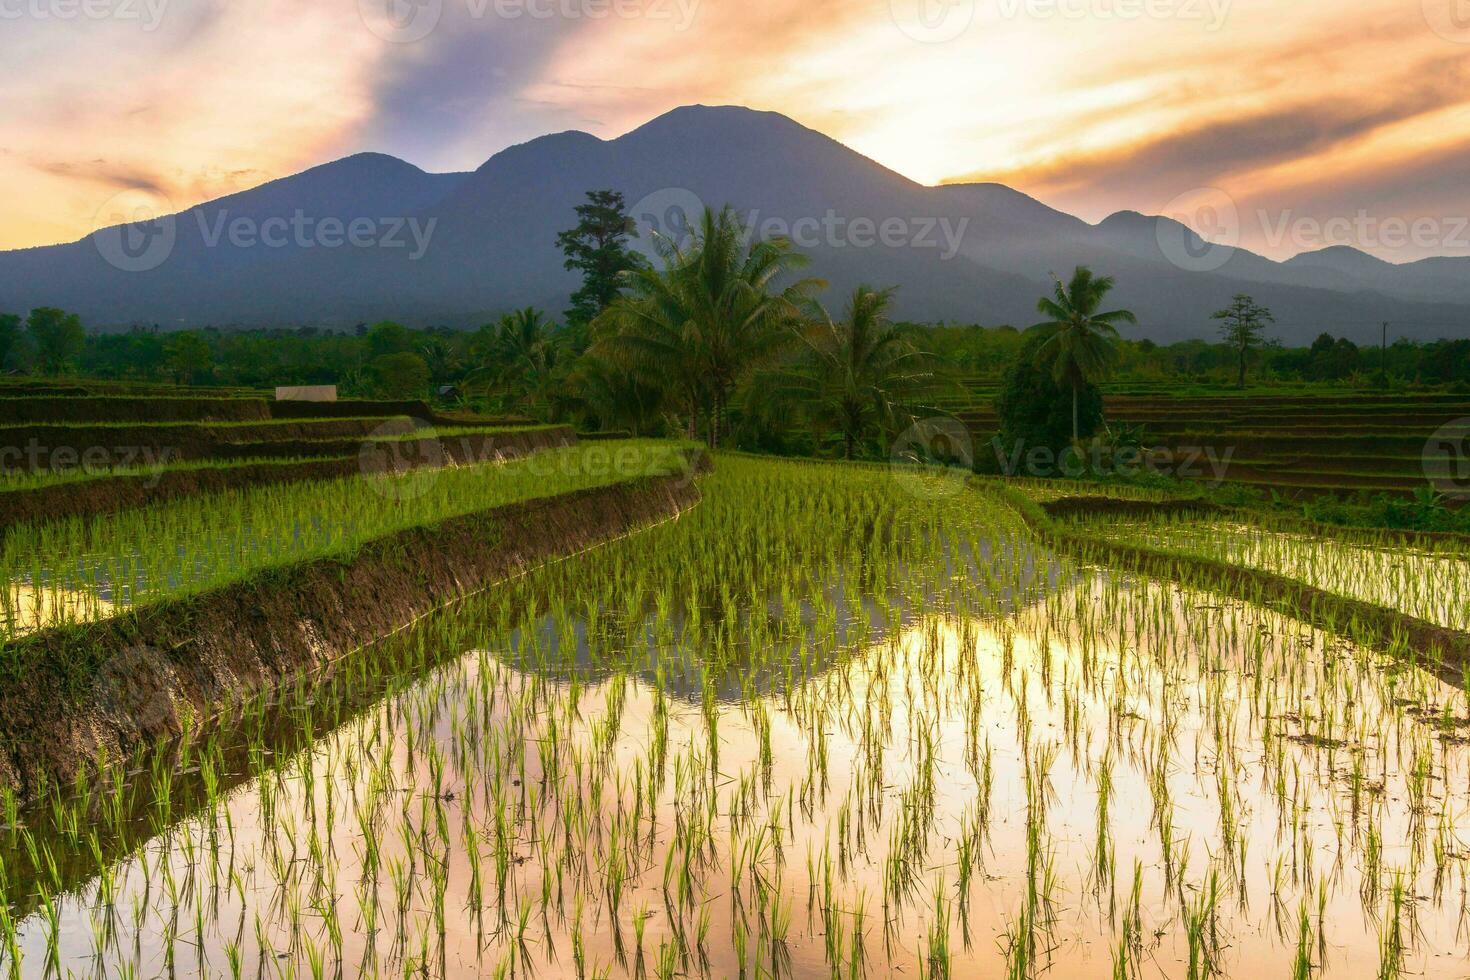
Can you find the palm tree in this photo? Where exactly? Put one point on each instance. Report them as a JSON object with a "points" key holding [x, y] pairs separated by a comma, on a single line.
{"points": [[1078, 343], [856, 375], [522, 351], [615, 396], [713, 313]]}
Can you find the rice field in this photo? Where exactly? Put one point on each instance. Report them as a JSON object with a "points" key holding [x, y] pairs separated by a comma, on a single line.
{"points": [[80, 568], [1429, 582], [820, 726], [1299, 443]]}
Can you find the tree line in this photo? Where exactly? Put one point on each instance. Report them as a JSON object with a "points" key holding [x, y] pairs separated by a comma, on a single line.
{"points": [[717, 335]]}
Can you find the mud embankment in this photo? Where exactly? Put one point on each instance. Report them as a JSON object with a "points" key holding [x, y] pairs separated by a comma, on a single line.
{"points": [[1087, 508], [99, 691], [73, 409], [54, 448], [461, 448], [111, 494], [1435, 648]]}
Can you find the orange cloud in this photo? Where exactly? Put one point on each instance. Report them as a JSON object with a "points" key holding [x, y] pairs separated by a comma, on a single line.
{"points": [[214, 99], [1093, 105]]}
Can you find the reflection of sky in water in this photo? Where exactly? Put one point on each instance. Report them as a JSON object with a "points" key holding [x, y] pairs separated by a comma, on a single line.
{"points": [[99, 584], [1187, 699], [29, 608]]}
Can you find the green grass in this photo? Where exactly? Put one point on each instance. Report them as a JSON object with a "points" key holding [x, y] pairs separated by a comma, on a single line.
{"points": [[16, 480], [1432, 586], [79, 568]]}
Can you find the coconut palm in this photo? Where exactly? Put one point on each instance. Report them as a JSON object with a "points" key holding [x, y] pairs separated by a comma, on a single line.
{"points": [[855, 376], [1078, 343], [711, 314], [614, 396], [523, 355]]}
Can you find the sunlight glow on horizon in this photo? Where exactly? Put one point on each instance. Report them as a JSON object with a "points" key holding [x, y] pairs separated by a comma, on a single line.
{"points": [[1089, 114]]}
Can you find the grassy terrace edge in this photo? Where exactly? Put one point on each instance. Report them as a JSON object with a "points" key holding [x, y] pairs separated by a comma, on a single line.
{"points": [[73, 698], [1442, 651], [89, 496], [1085, 507]]}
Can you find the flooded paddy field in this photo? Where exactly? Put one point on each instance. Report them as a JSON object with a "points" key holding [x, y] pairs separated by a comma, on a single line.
{"points": [[820, 726], [1430, 581], [83, 568]]}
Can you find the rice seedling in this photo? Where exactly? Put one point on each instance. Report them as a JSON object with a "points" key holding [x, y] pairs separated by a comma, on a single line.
{"points": [[78, 569], [1428, 581], [807, 729]]}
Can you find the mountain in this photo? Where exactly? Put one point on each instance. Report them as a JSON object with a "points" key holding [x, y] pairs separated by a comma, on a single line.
{"points": [[1342, 258], [372, 237], [240, 239]]}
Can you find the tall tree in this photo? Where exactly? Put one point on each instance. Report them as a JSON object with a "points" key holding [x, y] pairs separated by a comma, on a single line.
{"points": [[388, 337], [1078, 343], [398, 376], [58, 336], [709, 317], [598, 249], [855, 376], [1242, 324]]}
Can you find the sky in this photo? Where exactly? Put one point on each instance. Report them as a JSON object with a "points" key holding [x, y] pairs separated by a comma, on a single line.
{"points": [[1290, 124]]}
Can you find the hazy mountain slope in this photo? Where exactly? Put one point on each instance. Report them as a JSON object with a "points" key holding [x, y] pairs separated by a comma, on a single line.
{"points": [[181, 289], [968, 252]]}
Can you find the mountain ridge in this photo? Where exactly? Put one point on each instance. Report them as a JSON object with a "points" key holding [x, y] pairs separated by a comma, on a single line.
{"points": [[964, 252]]}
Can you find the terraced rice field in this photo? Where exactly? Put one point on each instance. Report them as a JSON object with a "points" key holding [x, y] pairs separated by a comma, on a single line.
{"points": [[79, 569], [1430, 582], [829, 723], [51, 430], [1327, 441]]}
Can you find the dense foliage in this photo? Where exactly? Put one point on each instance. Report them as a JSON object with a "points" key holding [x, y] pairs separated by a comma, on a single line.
{"points": [[1035, 408], [262, 357], [1425, 511], [715, 310], [851, 378]]}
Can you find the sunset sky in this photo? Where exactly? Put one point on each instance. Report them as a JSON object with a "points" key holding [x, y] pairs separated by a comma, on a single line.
{"points": [[1299, 111]]}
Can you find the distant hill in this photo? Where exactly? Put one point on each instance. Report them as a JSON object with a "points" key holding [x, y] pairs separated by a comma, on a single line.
{"points": [[462, 248]]}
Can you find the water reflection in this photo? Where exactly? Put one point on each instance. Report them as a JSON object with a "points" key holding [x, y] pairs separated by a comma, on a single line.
{"points": [[670, 646], [1107, 770]]}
